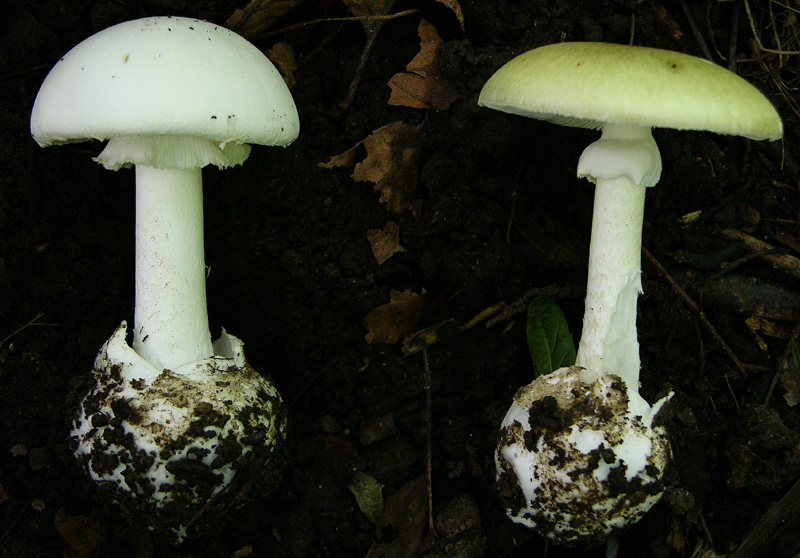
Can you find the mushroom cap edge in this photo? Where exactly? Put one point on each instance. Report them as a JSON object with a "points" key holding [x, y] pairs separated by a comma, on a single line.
{"points": [[587, 84]]}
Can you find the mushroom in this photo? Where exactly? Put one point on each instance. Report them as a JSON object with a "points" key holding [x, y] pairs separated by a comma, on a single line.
{"points": [[165, 425], [580, 455]]}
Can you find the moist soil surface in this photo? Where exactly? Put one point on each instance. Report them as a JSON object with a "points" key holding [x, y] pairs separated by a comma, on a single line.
{"points": [[488, 210]]}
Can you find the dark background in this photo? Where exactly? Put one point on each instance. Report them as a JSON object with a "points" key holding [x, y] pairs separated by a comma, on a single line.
{"points": [[497, 212]]}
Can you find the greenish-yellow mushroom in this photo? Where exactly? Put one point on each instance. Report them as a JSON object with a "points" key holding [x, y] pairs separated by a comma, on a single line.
{"points": [[624, 91]]}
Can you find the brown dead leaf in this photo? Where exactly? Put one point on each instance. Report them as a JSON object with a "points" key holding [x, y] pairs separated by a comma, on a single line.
{"points": [[346, 159], [385, 242], [421, 86], [86, 535], [391, 163], [773, 322], [282, 55], [790, 375], [3, 494], [386, 323], [259, 15], [404, 513]]}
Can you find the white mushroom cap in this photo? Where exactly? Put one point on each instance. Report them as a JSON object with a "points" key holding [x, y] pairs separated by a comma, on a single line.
{"points": [[589, 84], [165, 76]]}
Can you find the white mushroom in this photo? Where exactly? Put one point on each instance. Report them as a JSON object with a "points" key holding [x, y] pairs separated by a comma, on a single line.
{"points": [[571, 475], [167, 424]]}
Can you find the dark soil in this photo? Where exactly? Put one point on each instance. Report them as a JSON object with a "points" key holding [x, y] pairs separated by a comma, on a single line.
{"points": [[497, 212]]}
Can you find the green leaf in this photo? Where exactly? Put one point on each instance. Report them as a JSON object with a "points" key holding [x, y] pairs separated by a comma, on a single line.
{"points": [[549, 339]]}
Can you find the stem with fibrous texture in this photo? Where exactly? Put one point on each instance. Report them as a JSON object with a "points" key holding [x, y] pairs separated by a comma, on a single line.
{"points": [[622, 164], [171, 319]]}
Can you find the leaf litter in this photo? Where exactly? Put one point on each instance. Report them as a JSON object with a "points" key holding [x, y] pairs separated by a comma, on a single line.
{"points": [[421, 86], [391, 163], [385, 242], [388, 322]]}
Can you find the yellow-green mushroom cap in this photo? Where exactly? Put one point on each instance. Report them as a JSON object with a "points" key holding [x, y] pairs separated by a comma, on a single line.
{"points": [[590, 84]]}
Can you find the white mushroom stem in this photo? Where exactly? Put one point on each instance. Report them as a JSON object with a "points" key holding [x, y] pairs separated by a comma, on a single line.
{"points": [[171, 320], [170, 317], [622, 164]]}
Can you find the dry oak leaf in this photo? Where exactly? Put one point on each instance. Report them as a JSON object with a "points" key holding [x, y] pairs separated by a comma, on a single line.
{"points": [[391, 163], [259, 15], [345, 159], [385, 242], [386, 323], [283, 56], [420, 86]]}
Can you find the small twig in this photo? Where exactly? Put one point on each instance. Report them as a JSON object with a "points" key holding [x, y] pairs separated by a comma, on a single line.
{"points": [[33, 322], [321, 47], [695, 309], [732, 45], [45, 478], [633, 28], [25, 71], [730, 389], [707, 532], [701, 349], [521, 304], [514, 198], [429, 440], [362, 63], [528, 238], [770, 524], [14, 522], [757, 38], [511, 215], [372, 34], [668, 22], [424, 338], [312, 381], [696, 32], [785, 262], [727, 269], [311, 22]]}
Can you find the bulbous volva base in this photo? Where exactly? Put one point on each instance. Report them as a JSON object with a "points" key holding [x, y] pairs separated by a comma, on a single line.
{"points": [[579, 461], [166, 445]]}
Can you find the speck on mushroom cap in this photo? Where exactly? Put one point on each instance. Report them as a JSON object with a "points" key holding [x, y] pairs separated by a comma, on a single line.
{"points": [[588, 84], [168, 76]]}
